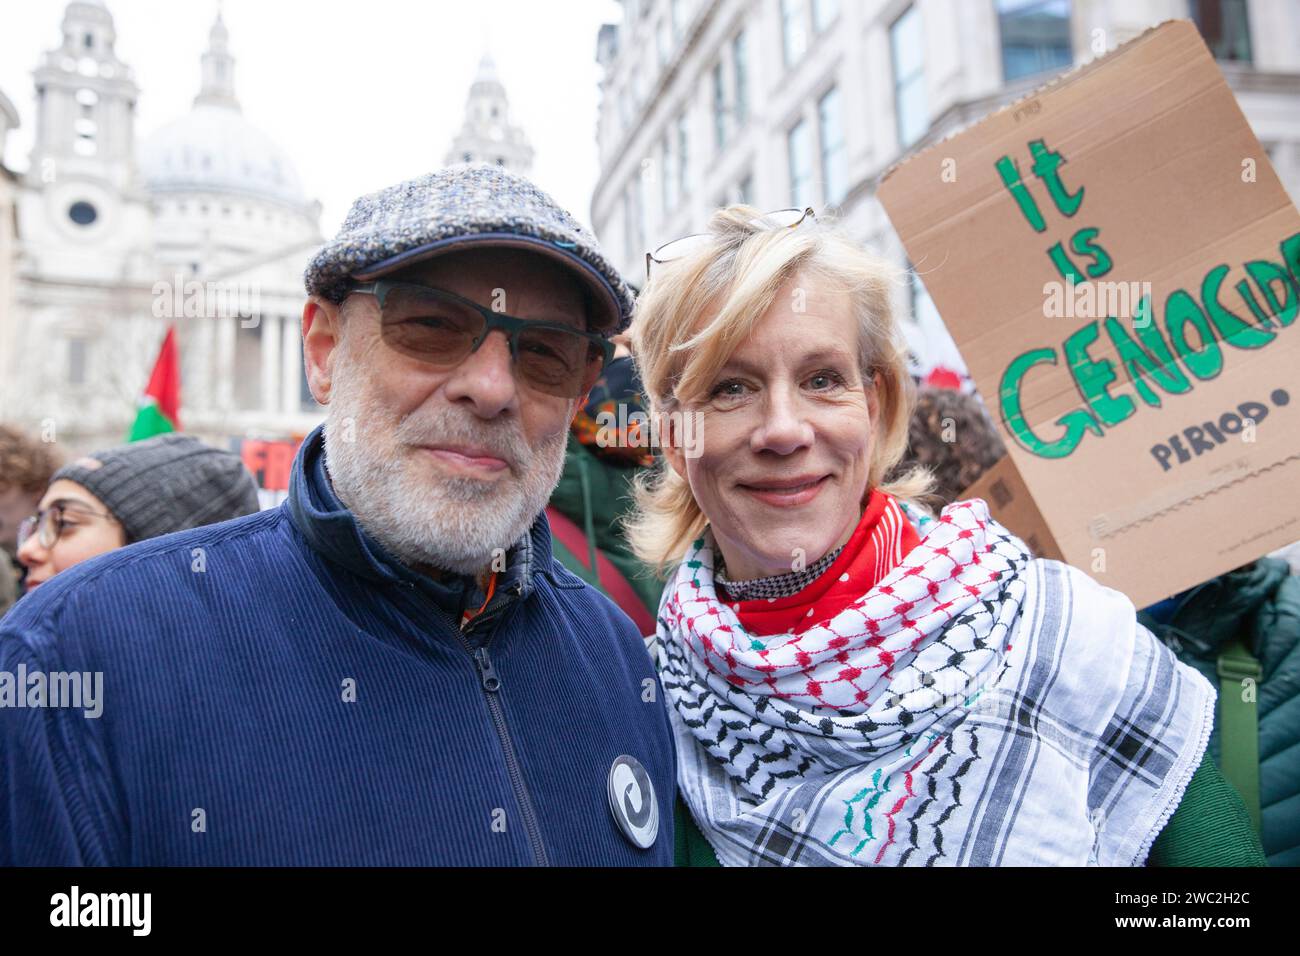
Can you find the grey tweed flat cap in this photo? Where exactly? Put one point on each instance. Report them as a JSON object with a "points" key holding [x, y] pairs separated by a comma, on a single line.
{"points": [[448, 209]]}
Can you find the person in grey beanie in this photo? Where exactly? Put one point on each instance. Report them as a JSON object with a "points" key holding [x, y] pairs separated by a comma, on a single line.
{"points": [[130, 493], [391, 667]]}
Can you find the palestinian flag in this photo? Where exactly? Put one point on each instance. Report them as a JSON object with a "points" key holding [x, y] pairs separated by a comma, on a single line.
{"points": [[161, 404]]}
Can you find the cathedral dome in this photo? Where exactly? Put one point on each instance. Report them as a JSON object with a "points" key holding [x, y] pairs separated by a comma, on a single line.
{"points": [[213, 148]]}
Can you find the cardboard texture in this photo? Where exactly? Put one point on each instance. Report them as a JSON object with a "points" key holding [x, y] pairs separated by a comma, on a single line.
{"points": [[1151, 408], [1011, 504]]}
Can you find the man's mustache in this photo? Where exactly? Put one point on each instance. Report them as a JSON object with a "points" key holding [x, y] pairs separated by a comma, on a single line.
{"points": [[504, 441]]}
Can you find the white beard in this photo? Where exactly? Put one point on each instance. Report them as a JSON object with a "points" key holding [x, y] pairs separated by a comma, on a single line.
{"points": [[457, 524]]}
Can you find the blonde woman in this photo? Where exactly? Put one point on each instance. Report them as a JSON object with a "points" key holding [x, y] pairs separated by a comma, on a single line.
{"points": [[854, 681]]}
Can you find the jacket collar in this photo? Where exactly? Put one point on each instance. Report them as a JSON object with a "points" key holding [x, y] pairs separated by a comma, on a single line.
{"points": [[335, 533]]}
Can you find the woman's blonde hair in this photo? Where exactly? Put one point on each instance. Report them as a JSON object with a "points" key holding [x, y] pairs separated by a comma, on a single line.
{"points": [[694, 313]]}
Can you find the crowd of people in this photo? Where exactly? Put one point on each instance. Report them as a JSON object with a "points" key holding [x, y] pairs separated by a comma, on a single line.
{"points": [[488, 627]]}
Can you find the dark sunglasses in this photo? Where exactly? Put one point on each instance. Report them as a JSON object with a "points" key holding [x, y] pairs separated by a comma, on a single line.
{"points": [[441, 328]]}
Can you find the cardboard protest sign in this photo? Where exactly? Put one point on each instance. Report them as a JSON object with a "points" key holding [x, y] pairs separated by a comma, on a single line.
{"points": [[1012, 504], [1118, 264]]}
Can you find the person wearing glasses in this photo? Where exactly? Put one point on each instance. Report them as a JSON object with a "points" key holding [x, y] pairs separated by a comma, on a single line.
{"points": [[855, 681], [131, 493], [391, 668]]}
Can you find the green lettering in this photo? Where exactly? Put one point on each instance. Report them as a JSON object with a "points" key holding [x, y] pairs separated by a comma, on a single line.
{"points": [[1046, 165], [1063, 264], [1154, 360], [1265, 273], [1010, 174], [1180, 309], [1092, 377], [1233, 329], [1082, 244], [1291, 256], [1074, 422], [1248, 296]]}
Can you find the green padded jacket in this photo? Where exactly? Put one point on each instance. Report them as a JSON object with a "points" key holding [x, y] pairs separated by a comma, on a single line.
{"points": [[594, 495], [1259, 604]]}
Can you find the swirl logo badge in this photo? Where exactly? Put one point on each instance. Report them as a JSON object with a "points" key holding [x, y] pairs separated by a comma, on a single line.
{"points": [[632, 801]]}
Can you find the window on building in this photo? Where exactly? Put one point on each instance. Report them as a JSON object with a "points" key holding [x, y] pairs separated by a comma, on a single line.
{"points": [[640, 81], [663, 41], [1035, 36], [633, 220], [668, 182], [830, 119], [740, 78], [1224, 26], [794, 35], [630, 243], [800, 149], [86, 100], [719, 108], [86, 131], [683, 166], [637, 190], [745, 191], [907, 46], [82, 213], [824, 14], [77, 361], [248, 364]]}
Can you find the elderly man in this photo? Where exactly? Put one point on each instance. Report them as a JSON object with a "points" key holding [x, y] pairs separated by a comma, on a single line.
{"points": [[390, 668]]}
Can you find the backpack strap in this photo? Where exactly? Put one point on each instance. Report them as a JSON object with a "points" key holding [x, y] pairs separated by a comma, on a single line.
{"points": [[604, 575], [1239, 725]]}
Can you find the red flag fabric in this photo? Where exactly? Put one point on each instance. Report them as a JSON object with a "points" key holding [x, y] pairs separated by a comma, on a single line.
{"points": [[165, 382]]}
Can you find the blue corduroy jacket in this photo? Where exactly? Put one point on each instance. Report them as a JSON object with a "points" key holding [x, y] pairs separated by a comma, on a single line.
{"points": [[278, 689]]}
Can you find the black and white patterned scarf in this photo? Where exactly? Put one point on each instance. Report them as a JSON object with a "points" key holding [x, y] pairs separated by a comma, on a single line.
{"points": [[976, 707]]}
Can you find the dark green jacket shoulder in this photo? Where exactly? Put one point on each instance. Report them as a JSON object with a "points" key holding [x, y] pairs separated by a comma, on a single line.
{"points": [[1258, 604]]}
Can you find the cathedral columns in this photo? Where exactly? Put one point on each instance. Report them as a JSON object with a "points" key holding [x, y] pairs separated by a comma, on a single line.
{"points": [[227, 327], [291, 366], [205, 388], [270, 394]]}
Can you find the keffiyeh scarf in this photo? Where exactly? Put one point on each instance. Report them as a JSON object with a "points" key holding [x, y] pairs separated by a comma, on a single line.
{"points": [[973, 707]]}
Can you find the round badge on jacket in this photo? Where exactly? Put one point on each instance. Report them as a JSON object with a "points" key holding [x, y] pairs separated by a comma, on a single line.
{"points": [[632, 801]]}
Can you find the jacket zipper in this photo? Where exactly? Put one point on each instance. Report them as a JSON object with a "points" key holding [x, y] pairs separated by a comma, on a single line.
{"points": [[491, 684]]}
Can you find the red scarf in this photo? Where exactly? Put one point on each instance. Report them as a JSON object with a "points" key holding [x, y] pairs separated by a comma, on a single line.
{"points": [[883, 536]]}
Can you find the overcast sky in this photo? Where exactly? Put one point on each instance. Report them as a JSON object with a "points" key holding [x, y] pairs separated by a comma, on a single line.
{"points": [[360, 93]]}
